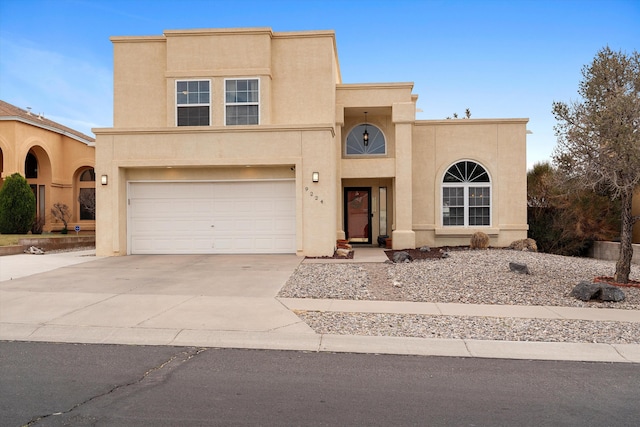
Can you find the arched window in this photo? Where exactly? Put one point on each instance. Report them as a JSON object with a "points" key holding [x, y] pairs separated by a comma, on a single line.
{"points": [[88, 175], [31, 166], [466, 195], [374, 145]]}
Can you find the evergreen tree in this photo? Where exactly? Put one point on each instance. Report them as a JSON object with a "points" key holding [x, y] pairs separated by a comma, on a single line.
{"points": [[17, 205]]}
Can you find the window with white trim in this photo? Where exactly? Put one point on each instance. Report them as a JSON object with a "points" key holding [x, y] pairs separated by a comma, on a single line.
{"points": [[466, 196], [242, 101], [193, 100]]}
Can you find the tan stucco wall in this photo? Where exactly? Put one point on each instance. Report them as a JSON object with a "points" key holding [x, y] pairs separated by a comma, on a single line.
{"points": [[60, 158], [498, 145]]}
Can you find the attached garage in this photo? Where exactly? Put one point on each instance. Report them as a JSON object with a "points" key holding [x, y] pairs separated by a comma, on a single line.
{"points": [[240, 217]]}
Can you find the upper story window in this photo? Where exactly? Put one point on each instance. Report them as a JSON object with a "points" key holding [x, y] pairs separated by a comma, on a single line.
{"points": [[242, 101], [193, 99], [375, 143], [466, 195]]}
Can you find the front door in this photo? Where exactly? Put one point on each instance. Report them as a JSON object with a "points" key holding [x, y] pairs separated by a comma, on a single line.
{"points": [[357, 214]]}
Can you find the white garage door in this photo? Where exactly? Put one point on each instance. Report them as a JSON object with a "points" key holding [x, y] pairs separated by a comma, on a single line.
{"points": [[212, 217]]}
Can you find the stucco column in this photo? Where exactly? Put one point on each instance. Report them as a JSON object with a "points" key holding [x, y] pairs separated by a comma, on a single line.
{"points": [[403, 236], [339, 119]]}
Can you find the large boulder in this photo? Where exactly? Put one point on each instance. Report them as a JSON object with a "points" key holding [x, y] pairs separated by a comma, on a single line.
{"points": [[402, 256], [587, 291], [516, 267]]}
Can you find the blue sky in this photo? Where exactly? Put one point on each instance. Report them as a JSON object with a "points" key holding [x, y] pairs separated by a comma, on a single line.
{"points": [[497, 58]]}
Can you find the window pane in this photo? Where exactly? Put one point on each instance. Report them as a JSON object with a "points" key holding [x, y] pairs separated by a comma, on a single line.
{"points": [[466, 172], [192, 92], [479, 196], [479, 216], [193, 116], [88, 175], [355, 144], [453, 216], [87, 203], [242, 115], [242, 92], [31, 166]]}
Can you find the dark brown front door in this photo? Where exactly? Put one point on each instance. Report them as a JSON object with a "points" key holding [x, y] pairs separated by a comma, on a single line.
{"points": [[357, 214]]}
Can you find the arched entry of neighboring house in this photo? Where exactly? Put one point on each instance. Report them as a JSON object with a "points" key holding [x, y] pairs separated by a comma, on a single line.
{"points": [[37, 171], [85, 194]]}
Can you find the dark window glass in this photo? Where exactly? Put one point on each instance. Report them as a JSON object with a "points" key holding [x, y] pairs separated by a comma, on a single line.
{"points": [[242, 115], [88, 175], [87, 203], [31, 166], [193, 116]]}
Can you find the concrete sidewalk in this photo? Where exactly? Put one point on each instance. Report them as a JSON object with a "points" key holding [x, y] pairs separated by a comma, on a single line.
{"points": [[230, 301]]}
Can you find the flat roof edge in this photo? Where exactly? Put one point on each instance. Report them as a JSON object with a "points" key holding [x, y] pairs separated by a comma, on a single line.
{"points": [[450, 122]]}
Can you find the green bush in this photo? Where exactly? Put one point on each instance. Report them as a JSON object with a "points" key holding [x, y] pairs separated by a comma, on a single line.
{"points": [[17, 205]]}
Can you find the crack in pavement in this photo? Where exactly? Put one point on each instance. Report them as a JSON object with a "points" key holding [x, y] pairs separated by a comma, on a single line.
{"points": [[151, 377]]}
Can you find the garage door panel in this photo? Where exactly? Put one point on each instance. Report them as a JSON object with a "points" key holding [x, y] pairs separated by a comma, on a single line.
{"points": [[283, 225], [212, 217], [223, 207]]}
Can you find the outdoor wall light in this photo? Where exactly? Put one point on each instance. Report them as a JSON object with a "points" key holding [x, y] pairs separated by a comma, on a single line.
{"points": [[104, 179], [315, 177], [365, 134]]}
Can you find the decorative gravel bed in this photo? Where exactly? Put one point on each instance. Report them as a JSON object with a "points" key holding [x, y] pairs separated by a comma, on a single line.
{"points": [[471, 277], [466, 327]]}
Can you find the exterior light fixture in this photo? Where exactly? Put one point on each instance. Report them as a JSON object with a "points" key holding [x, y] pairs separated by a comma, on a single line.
{"points": [[104, 179], [315, 177], [365, 134]]}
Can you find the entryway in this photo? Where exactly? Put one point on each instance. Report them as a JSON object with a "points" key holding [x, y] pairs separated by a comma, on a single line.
{"points": [[357, 214]]}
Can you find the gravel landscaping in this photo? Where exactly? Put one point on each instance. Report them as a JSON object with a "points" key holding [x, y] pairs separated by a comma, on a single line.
{"points": [[471, 277]]}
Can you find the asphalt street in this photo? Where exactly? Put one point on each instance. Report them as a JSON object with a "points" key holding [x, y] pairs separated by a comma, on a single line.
{"points": [[51, 384]]}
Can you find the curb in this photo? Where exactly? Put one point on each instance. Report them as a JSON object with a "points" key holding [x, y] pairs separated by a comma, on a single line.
{"points": [[522, 350]]}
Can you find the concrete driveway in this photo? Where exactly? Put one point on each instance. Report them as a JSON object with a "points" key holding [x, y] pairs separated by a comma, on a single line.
{"points": [[158, 299]]}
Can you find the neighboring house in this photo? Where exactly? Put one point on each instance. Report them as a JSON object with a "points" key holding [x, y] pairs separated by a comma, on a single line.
{"points": [[248, 141], [57, 162]]}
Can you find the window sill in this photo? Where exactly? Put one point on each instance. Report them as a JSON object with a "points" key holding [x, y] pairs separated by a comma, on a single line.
{"points": [[465, 231]]}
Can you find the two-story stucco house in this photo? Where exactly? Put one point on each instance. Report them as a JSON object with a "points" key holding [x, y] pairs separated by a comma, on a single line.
{"points": [[247, 141]]}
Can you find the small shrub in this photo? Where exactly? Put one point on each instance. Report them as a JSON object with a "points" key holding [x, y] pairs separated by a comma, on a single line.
{"points": [[61, 212], [479, 240], [524, 245], [17, 205], [38, 225]]}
